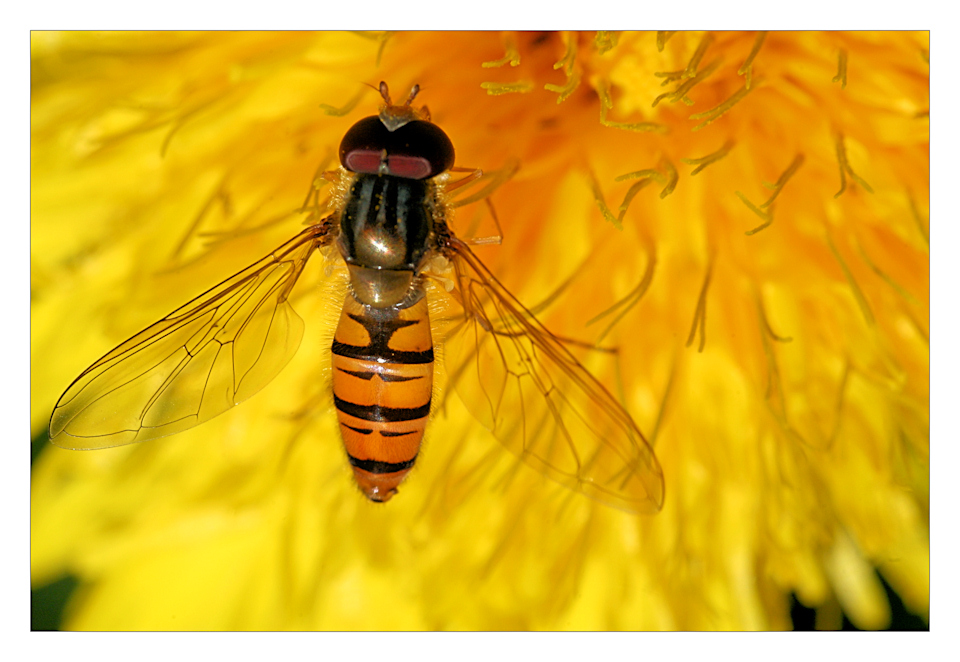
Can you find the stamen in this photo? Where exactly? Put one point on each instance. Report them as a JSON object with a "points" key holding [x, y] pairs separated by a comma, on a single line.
{"points": [[767, 216], [646, 178], [641, 174], [511, 55], [384, 38], [713, 157], [857, 292], [669, 76], [178, 124], [565, 90], [643, 127], [569, 57], [217, 194], [346, 108], [318, 181], [924, 230], [691, 69], [554, 296], [672, 178], [496, 89], [700, 316], [766, 323], [747, 66], [716, 112], [663, 403], [845, 169], [762, 226], [887, 279], [841, 76], [662, 37], [496, 179], [680, 94], [838, 407], [631, 193], [568, 64], [784, 178], [603, 90], [381, 37], [918, 327], [633, 297], [605, 40], [606, 104], [601, 203], [774, 391]]}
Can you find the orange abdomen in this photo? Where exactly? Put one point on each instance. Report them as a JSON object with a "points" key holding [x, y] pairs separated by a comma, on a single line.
{"points": [[382, 386]]}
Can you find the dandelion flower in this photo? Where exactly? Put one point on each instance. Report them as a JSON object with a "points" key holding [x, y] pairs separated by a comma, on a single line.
{"points": [[732, 225]]}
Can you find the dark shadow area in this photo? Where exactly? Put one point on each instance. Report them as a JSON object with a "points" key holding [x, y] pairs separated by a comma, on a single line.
{"points": [[38, 444], [47, 603], [804, 618]]}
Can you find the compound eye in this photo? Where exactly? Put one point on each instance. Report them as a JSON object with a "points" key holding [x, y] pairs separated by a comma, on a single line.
{"points": [[416, 150]]}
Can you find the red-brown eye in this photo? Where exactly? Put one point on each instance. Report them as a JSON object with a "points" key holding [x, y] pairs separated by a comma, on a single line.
{"points": [[416, 150]]}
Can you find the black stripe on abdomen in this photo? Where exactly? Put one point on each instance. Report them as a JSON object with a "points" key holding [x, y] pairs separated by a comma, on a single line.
{"points": [[367, 375], [388, 433], [381, 354], [381, 414], [377, 467]]}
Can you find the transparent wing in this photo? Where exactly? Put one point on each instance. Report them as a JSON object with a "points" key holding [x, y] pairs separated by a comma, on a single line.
{"points": [[545, 407], [195, 363]]}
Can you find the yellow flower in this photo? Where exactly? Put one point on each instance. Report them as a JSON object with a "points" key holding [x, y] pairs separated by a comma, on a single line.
{"points": [[741, 217]]}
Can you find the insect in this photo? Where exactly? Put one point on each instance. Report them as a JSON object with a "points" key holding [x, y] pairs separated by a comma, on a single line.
{"points": [[389, 225]]}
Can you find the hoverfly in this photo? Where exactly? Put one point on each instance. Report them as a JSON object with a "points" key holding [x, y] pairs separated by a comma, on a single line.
{"points": [[388, 223]]}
